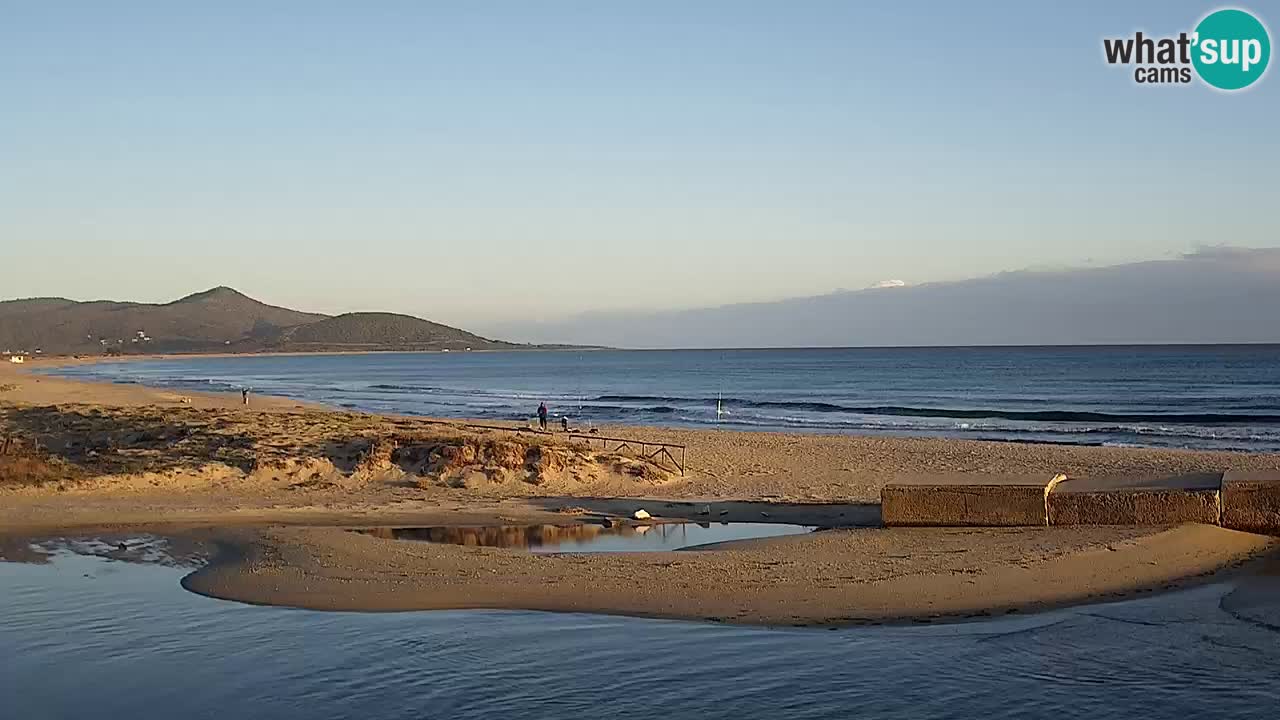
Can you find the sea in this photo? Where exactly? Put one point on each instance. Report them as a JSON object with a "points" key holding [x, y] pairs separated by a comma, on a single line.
{"points": [[1221, 397]]}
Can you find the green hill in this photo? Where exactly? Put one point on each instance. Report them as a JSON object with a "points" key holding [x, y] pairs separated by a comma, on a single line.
{"points": [[374, 331], [220, 319]]}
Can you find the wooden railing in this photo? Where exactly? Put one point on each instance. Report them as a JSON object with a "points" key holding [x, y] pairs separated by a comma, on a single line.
{"points": [[640, 446]]}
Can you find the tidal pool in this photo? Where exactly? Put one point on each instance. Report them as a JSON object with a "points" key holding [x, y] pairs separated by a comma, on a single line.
{"points": [[591, 537]]}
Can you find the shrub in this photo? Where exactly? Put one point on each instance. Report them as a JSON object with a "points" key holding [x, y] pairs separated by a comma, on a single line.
{"points": [[27, 466]]}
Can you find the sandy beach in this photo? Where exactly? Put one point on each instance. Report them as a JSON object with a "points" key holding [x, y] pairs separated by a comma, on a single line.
{"points": [[269, 489]]}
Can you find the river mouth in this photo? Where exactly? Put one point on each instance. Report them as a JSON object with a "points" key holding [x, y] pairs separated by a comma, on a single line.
{"points": [[91, 635], [614, 537]]}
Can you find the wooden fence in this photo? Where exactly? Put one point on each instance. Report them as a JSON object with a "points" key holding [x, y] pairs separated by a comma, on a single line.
{"points": [[641, 446]]}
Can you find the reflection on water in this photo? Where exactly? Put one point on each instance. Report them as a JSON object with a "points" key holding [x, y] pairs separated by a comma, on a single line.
{"points": [[586, 537], [128, 547], [90, 637]]}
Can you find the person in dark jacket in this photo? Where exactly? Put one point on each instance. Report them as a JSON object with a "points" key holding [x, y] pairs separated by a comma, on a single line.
{"points": [[542, 415]]}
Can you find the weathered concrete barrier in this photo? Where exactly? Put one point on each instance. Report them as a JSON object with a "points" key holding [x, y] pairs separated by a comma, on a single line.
{"points": [[967, 500], [1251, 501], [1248, 501], [1142, 501]]}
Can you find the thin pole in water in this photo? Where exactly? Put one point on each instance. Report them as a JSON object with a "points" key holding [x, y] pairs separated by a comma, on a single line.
{"points": [[720, 411]]}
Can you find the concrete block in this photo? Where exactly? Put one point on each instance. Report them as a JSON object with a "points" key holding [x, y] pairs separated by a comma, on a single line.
{"points": [[966, 500], [1137, 501], [1251, 501]]}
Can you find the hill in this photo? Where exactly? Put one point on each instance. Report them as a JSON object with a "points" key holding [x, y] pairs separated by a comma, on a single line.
{"points": [[375, 330], [216, 320], [17, 307]]}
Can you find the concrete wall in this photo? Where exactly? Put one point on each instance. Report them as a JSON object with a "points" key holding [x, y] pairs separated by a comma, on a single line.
{"points": [[1007, 501], [1235, 500], [1141, 501], [1251, 501]]}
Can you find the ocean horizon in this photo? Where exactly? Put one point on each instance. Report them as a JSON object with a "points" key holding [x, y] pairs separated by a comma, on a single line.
{"points": [[1224, 397]]}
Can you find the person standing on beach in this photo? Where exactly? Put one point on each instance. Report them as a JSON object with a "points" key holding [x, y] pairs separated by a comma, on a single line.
{"points": [[244, 395], [542, 415]]}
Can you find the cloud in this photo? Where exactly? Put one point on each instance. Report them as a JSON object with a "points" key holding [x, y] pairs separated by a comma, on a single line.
{"points": [[1218, 294], [889, 284], [1253, 258]]}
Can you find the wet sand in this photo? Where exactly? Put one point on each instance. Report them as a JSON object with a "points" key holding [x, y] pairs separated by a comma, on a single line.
{"points": [[21, 385], [834, 577], [266, 486]]}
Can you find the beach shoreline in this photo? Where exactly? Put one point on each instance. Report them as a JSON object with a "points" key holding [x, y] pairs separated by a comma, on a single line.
{"points": [[272, 486], [51, 361], [852, 394]]}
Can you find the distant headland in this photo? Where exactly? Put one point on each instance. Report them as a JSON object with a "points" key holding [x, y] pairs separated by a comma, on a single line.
{"points": [[219, 320]]}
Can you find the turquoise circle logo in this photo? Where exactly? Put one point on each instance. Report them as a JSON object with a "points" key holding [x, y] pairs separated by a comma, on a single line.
{"points": [[1232, 49]]}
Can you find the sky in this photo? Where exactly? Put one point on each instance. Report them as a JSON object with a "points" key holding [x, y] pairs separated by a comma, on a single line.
{"points": [[482, 163]]}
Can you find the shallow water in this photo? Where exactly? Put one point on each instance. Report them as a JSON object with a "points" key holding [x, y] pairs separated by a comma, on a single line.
{"points": [[87, 636], [591, 538]]}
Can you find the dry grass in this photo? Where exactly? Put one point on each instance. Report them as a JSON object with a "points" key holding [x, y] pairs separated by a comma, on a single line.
{"points": [[101, 440], [25, 466]]}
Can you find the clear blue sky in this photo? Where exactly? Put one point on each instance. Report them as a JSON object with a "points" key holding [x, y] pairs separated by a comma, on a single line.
{"points": [[478, 162]]}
